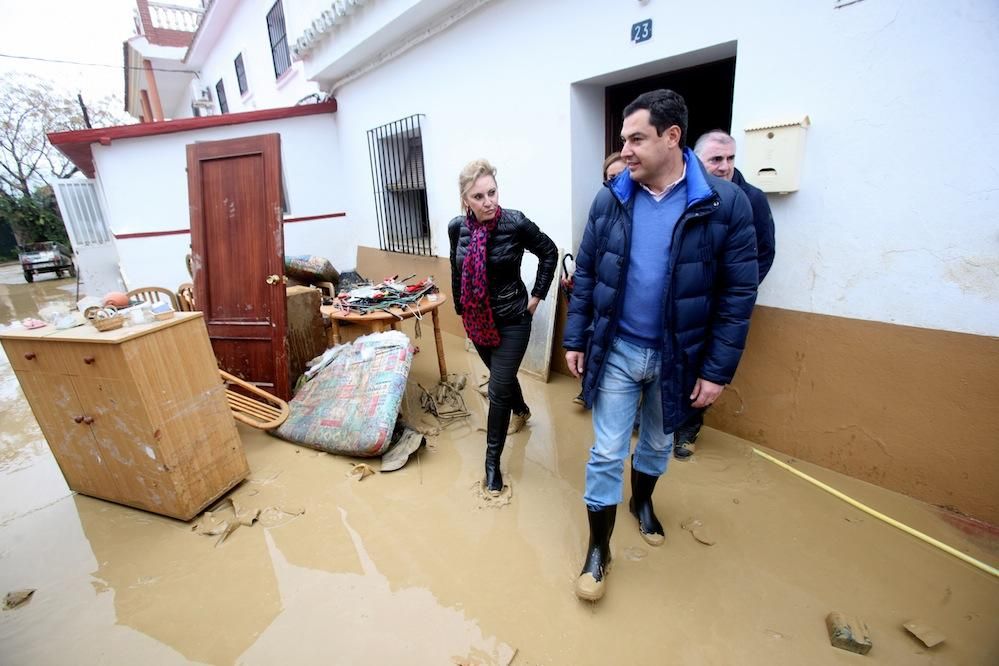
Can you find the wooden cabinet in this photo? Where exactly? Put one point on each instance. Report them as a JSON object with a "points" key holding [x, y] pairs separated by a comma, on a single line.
{"points": [[137, 415]]}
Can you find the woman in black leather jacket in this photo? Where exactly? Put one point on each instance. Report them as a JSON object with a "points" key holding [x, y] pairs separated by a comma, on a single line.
{"points": [[487, 245]]}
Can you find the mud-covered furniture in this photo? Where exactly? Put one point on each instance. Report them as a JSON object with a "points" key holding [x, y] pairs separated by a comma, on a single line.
{"points": [[137, 415], [252, 405], [306, 334]]}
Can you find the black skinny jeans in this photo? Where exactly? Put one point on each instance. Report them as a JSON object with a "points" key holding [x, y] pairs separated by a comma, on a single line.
{"points": [[503, 362]]}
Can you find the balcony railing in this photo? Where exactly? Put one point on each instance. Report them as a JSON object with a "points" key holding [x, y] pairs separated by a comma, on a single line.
{"points": [[174, 17]]}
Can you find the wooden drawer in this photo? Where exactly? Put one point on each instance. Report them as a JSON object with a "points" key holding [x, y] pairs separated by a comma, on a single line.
{"points": [[65, 358]]}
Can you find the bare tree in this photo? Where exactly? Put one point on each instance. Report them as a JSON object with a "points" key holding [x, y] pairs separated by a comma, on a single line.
{"points": [[29, 108]]}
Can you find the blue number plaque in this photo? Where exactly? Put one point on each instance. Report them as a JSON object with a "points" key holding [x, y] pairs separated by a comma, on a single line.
{"points": [[641, 31]]}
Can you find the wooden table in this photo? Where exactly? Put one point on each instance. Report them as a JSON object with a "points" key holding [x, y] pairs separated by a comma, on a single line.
{"points": [[385, 320]]}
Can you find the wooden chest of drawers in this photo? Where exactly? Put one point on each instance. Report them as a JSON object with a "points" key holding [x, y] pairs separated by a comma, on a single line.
{"points": [[137, 416]]}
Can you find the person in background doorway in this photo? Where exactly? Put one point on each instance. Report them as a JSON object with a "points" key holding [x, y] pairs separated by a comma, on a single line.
{"points": [[716, 150], [666, 279], [487, 246], [613, 165]]}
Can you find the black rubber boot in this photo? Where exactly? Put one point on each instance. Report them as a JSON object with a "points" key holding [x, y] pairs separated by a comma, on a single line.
{"points": [[640, 505], [591, 584], [498, 421]]}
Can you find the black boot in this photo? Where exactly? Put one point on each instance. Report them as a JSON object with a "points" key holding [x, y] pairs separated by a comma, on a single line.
{"points": [[494, 477], [497, 423], [590, 585], [640, 505]]}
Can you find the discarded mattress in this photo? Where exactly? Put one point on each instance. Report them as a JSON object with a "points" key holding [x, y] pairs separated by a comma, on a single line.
{"points": [[351, 403]]}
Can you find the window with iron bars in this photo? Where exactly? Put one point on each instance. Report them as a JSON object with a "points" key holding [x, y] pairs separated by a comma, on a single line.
{"points": [[396, 152], [241, 75], [278, 35], [220, 93]]}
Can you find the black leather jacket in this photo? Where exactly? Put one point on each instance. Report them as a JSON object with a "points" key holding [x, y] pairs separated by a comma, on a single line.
{"points": [[512, 236]]}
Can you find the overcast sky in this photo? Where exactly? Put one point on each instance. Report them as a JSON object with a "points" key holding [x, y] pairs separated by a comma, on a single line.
{"points": [[90, 31]]}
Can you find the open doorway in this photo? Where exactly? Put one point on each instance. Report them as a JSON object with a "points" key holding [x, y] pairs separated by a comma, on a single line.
{"points": [[707, 89]]}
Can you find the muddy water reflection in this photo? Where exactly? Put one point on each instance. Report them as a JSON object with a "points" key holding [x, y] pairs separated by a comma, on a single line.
{"points": [[209, 603]]}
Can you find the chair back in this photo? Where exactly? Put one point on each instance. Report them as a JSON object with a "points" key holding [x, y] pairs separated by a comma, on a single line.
{"points": [[185, 297], [153, 295]]}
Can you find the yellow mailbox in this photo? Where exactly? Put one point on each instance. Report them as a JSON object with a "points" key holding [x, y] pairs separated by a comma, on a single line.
{"points": [[773, 154]]}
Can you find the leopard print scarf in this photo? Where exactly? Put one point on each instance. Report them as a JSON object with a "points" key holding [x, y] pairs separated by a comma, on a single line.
{"points": [[477, 313]]}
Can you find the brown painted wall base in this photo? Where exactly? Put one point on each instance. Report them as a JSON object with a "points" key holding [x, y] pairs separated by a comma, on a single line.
{"points": [[909, 409], [912, 410]]}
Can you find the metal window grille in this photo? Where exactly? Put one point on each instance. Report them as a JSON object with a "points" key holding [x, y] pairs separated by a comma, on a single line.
{"points": [[279, 39], [241, 75], [396, 152], [220, 93], [81, 211]]}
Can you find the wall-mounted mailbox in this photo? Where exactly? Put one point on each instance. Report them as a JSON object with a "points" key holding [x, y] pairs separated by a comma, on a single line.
{"points": [[773, 154]]}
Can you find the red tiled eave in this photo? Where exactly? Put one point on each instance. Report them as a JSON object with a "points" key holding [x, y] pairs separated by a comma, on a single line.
{"points": [[76, 145]]}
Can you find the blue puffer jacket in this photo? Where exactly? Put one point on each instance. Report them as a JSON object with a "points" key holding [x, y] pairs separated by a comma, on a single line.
{"points": [[710, 286]]}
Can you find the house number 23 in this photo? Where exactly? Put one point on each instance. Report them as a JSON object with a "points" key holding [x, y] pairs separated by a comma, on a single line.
{"points": [[642, 31]]}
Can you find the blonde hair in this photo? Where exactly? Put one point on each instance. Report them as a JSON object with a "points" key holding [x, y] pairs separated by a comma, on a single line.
{"points": [[613, 157], [469, 174]]}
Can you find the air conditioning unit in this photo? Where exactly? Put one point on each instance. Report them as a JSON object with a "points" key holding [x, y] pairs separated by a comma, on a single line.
{"points": [[202, 103]]}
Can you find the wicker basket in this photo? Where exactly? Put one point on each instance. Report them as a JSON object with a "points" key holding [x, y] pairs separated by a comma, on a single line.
{"points": [[108, 323]]}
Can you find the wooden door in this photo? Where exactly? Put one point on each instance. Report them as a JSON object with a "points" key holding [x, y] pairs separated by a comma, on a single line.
{"points": [[237, 247]]}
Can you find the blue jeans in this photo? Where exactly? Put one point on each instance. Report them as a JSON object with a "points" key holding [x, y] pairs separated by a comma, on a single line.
{"points": [[630, 373]]}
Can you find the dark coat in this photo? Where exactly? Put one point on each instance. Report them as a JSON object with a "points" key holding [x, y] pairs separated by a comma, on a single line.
{"points": [[514, 234], [763, 220], [710, 286]]}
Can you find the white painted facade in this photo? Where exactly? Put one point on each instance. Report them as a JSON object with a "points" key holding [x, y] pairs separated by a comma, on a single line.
{"points": [[144, 182], [233, 27], [895, 220]]}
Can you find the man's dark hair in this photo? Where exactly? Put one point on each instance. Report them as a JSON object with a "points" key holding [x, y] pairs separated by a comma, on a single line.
{"points": [[666, 108]]}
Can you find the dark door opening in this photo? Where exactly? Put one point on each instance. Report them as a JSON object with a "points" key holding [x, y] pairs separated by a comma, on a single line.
{"points": [[707, 89]]}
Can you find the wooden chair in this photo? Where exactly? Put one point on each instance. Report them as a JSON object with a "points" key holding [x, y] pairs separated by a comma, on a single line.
{"points": [[154, 295], [266, 412], [185, 297]]}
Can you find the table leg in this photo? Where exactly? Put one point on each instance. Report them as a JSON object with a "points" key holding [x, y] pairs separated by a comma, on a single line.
{"points": [[440, 344], [335, 331]]}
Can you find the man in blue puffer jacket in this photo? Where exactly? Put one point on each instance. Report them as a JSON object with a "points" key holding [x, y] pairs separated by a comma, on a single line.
{"points": [[666, 274]]}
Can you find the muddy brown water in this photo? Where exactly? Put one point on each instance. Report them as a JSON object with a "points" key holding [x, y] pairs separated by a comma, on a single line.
{"points": [[413, 567]]}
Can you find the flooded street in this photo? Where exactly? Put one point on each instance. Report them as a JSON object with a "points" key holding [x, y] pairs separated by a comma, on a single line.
{"points": [[412, 567]]}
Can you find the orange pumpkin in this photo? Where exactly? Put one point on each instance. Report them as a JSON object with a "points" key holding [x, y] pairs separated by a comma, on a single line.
{"points": [[116, 298]]}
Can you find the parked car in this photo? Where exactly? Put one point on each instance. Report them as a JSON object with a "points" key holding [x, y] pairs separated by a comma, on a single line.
{"points": [[46, 257]]}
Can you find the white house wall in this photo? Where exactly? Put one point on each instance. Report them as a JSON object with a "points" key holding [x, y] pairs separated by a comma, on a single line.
{"points": [[246, 33], [145, 185], [893, 222]]}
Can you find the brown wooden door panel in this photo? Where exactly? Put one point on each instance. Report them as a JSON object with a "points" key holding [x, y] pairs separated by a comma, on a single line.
{"points": [[237, 242], [246, 357]]}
